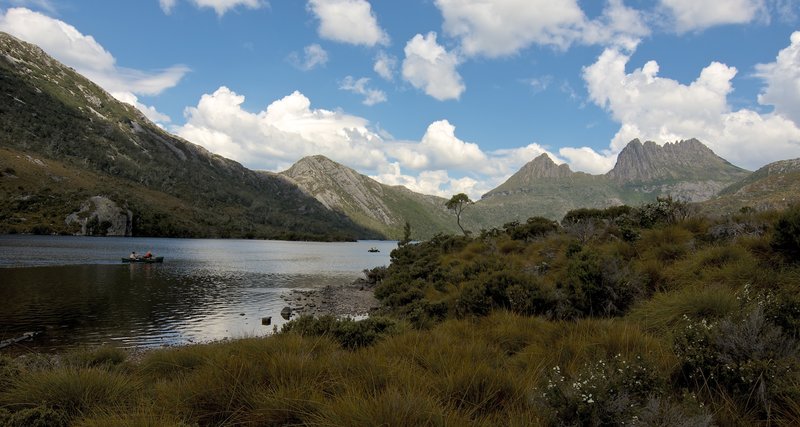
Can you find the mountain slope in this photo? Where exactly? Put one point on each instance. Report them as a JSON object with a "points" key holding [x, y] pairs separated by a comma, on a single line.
{"points": [[774, 186], [166, 185], [369, 203]]}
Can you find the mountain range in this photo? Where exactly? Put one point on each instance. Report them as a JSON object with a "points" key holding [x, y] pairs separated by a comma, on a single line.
{"points": [[74, 160], [687, 170]]}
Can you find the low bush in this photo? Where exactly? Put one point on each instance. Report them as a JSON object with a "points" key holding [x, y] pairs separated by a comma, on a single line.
{"points": [[747, 358], [599, 286], [786, 234], [604, 392], [349, 333]]}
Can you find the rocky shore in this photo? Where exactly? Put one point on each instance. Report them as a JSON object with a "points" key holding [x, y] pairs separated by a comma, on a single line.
{"points": [[352, 300]]}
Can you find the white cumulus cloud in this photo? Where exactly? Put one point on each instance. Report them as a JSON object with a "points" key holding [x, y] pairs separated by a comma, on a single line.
{"points": [[167, 5], [385, 65], [504, 27], [348, 21], [359, 86], [285, 131], [313, 56], [83, 53], [694, 15], [651, 107], [428, 66], [782, 79], [219, 6], [289, 128]]}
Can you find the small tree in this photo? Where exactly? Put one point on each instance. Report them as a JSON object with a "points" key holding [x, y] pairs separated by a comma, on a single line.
{"points": [[406, 235], [457, 204]]}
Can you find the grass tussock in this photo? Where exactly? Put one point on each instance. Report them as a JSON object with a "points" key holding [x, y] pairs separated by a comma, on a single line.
{"points": [[71, 391]]}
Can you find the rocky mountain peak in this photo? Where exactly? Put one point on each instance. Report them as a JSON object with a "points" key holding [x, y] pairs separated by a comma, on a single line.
{"points": [[542, 167], [538, 169], [688, 159]]}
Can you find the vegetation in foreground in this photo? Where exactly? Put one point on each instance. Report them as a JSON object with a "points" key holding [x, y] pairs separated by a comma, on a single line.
{"points": [[646, 316]]}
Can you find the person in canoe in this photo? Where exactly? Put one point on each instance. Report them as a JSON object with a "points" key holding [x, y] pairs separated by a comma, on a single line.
{"points": [[148, 255], [133, 255]]}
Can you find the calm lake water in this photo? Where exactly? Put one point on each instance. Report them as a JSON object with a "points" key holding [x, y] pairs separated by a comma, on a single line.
{"points": [[77, 291]]}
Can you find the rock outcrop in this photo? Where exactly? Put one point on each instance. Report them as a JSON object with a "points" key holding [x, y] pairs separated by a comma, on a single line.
{"points": [[100, 216]]}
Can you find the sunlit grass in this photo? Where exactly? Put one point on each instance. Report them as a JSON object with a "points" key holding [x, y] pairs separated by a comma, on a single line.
{"points": [[665, 311]]}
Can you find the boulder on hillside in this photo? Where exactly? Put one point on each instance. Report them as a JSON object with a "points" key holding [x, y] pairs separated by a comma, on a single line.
{"points": [[100, 216]]}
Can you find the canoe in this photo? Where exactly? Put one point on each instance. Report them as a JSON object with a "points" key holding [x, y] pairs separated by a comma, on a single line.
{"points": [[152, 260]]}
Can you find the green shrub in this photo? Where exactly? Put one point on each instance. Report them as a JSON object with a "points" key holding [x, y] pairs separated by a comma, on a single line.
{"points": [[665, 210], [423, 314], [786, 234], [349, 333], [534, 227], [598, 286], [504, 289]]}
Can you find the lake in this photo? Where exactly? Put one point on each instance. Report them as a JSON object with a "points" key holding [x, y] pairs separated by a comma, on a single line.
{"points": [[79, 293]]}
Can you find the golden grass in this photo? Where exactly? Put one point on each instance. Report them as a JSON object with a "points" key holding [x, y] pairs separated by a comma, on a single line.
{"points": [[665, 311]]}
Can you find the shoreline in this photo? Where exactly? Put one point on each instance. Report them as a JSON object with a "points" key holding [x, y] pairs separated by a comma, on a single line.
{"points": [[354, 300]]}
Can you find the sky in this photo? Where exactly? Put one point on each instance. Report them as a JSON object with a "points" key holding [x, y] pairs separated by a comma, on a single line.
{"points": [[442, 96]]}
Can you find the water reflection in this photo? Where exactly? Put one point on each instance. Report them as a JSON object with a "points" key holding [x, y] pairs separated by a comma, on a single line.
{"points": [[196, 295]]}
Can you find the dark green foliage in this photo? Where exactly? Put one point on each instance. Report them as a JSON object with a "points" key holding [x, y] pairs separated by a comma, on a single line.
{"points": [[424, 314], [665, 210], [597, 285], [349, 333], [457, 204], [406, 235], [503, 290], [786, 235], [375, 276], [533, 228], [413, 267]]}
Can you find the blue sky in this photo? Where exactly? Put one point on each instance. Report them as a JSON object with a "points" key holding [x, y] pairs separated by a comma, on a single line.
{"points": [[442, 96]]}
